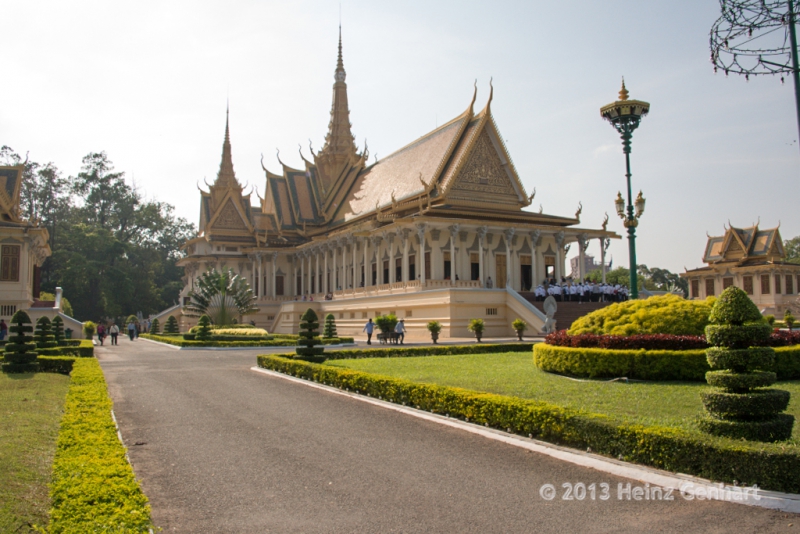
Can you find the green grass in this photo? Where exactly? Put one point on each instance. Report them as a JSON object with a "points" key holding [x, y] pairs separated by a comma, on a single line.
{"points": [[672, 404], [31, 406]]}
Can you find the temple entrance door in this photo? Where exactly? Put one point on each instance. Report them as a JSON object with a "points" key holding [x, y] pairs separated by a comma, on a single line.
{"points": [[500, 263], [525, 272]]}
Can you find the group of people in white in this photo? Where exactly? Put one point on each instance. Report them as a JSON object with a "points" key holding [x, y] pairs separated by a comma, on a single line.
{"points": [[577, 291]]}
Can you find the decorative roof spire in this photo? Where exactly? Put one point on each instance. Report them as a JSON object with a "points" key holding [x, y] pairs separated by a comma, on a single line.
{"points": [[339, 143], [226, 176]]}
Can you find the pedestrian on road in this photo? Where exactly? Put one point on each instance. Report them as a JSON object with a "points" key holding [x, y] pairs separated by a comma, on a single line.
{"points": [[131, 330], [114, 331], [101, 333], [400, 329], [369, 328], [3, 329]]}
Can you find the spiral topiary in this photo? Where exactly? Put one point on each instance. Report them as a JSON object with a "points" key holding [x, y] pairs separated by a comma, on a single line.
{"points": [[307, 344], [330, 326], [740, 407], [43, 336], [171, 327], [58, 330], [155, 328], [20, 351], [203, 328]]}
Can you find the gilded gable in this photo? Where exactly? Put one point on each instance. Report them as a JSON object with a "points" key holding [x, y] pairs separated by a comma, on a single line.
{"points": [[484, 172], [229, 218]]}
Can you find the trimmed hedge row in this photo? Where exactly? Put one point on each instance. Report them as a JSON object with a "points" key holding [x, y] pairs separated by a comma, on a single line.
{"points": [[686, 365], [770, 467], [281, 342], [561, 338], [82, 349], [56, 364], [438, 350], [93, 487]]}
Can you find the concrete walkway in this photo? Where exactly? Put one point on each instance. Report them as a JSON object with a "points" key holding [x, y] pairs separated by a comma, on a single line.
{"points": [[220, 448]]}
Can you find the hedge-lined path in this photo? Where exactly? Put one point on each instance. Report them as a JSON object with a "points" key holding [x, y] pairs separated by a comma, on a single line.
{"points": [[224, 449]]}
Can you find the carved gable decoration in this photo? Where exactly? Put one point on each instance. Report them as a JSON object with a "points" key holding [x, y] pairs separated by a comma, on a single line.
{"points": [[484, 172], [229, 218]]}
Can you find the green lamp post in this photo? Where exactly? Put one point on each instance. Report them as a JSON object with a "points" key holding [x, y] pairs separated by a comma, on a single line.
{"points": [[625, 116]]}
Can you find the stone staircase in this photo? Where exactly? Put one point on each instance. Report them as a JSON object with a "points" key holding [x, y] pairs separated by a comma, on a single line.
{"points": [[567, 312]]}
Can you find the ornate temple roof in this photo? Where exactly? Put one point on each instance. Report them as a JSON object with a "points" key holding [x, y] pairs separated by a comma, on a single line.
{"points": [[743, 245]]}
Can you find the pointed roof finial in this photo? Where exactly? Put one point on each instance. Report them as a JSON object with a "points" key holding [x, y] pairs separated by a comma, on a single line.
{"points": [[339, 62], [623, 93], [226, 176]]}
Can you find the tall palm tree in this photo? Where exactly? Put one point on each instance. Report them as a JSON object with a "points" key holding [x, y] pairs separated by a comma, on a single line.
{"points": [[222, 295]]}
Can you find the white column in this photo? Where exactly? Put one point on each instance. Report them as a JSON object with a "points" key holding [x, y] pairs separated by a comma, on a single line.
{"points": [[535, 238], [260, 278], [406, 233], [509, 234], [317, 284], [453, 236], [392, 269], [293, 281], [325, 270], [604, 244], [559, 255], [376, 242], [253, 274], [583, 241], [354, 274], [421, 256], [481, 236], [272, 289]]}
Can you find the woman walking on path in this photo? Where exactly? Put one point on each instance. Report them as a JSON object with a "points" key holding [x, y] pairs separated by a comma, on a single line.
{"points": [[114, 331], [101, 333]]}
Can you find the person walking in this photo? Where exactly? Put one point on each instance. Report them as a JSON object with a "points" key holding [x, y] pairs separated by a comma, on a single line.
{"points": [[3, 329], [101, 333], [489, 283], [131, 330], [400, 329], [114, 331], [369, 328]]}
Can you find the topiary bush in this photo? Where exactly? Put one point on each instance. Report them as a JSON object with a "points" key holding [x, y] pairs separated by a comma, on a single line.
{"points": [[203, 328], [386, 323], [89, 328], [171, 326], [330, 326], [58, 330], [667, 314], [740, 408], [789, 319], [477, 326], [43, 336], [155, 327], [309, 346], [20, 352]]}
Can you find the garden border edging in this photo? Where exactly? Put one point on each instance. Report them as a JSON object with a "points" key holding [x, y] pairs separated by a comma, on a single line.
{"points": [[786, 502]]}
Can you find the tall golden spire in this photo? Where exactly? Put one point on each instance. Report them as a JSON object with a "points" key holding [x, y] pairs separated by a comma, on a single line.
{"points": [[226, 176], [339, 143]]}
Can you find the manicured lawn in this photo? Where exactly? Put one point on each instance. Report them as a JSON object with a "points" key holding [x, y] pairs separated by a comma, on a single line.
{"points": [[672, 404], [31, 406]]}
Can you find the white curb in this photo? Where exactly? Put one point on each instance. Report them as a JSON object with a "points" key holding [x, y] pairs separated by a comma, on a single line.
{"points": [[688, 486], [255, 347]]}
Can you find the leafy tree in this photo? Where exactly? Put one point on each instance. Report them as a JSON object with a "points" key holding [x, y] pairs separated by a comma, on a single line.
{"points": [[66, 307], [222, 295], [792, 249]]}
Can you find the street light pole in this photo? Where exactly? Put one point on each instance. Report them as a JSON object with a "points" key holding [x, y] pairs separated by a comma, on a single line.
{"points": [[625, 116]]}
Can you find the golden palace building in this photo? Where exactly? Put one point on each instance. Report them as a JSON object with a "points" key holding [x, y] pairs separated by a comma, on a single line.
{"points": [[435, 231]]}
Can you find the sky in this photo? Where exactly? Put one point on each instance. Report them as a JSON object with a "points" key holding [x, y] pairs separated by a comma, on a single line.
{"points": [[147, 82]]}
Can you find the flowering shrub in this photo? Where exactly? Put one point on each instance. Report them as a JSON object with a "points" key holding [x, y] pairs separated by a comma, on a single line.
{"points": [[562, 338]]}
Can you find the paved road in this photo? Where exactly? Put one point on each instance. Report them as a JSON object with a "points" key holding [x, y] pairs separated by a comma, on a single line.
{"points": [[220, 448]]}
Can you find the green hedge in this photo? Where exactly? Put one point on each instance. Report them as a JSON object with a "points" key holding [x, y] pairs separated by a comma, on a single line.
{"points": [[688, 365], [56, 364], [770, 467], [278, 342], [438, 350], [83, 349], [93, 487]]}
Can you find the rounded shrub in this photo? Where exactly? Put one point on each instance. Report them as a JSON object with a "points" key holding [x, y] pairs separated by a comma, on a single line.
{"points": [[171, 326], [740, 408], [58, 330], [667, 314], [20, 352], [43, 336], [203, 328], [155, 327], [330, 326], [309, 346]]}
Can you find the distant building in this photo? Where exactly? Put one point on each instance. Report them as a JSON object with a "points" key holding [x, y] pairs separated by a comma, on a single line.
{"points": [[24, 246], [751, 259], [588, 263]]}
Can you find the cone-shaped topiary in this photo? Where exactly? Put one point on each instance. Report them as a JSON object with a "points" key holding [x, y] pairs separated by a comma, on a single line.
{"points": [[330, 326], [307, 348], [203, 328], [740, 408], [171, 327], [20, 351], [43, 336], [155, 328], [58, 330]]}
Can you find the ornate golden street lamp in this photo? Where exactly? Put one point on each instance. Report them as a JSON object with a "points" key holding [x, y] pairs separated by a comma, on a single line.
{"points": [[625, 116]]}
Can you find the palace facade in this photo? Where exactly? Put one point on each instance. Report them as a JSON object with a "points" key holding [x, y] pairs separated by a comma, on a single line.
{"points": [[436, 230], [751, 259]]}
